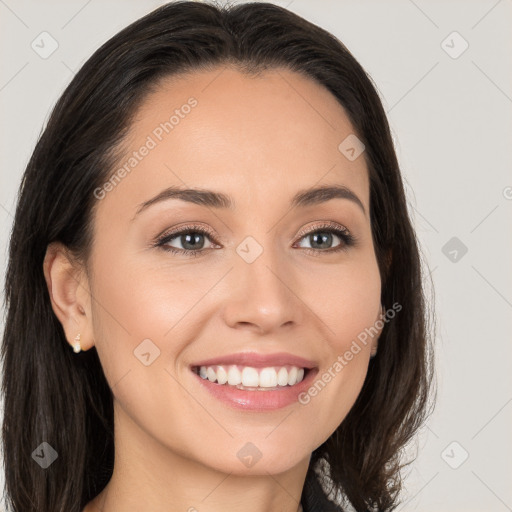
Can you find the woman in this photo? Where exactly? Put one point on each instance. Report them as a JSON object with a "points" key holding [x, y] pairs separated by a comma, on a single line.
{"points": [[214, 221]]}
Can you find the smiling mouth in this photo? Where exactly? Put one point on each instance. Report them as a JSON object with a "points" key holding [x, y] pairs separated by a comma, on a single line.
{"points": [[248, 378]]}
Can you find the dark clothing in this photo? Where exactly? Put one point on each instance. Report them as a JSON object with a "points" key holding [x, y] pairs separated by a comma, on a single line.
{"points": [[314, 498]]}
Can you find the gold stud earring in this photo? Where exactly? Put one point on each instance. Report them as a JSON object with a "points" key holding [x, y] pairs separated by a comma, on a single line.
{"points": [[76, 345]]}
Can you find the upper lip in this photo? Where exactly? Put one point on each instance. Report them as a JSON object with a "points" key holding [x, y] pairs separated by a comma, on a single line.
{"points": [[257, 360]]}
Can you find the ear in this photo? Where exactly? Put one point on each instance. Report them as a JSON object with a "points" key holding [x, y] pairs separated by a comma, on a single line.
{"points": [[70, 297]]}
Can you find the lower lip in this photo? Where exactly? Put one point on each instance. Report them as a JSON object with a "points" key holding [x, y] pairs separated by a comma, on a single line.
{"points": [[258, 400]]}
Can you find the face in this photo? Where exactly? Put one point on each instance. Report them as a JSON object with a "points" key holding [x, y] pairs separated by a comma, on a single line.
{"points": [[264, 275]]}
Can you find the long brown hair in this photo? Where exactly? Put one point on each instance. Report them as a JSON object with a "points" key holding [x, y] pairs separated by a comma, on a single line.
{"points": [[55, 396]]}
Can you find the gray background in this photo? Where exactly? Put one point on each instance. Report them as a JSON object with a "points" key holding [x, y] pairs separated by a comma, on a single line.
{"points": [[450, 113]]}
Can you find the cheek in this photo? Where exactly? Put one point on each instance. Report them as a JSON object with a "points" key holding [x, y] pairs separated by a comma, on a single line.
{"points": [[133, 304], [348, 305], [140, 321], [347, 301], [139, 297]]}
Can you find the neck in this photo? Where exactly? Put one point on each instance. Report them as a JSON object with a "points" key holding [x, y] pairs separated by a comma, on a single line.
{"points": [[150, 476]]}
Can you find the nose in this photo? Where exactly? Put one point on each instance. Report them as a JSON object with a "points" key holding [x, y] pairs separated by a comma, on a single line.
{"points": [[263, 295]]}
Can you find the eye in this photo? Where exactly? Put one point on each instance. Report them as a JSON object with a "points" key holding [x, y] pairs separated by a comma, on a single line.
{"points": [[321, 237], [191, 238]]}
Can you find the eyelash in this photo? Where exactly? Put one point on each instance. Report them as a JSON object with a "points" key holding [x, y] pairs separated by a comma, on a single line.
{"points": [[347, 240]]}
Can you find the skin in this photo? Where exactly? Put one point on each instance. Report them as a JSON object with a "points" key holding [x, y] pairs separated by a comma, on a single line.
{"points": [[258, 140]]}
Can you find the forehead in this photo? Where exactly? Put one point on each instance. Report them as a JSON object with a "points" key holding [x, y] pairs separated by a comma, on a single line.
{"points": [[248, 136]]}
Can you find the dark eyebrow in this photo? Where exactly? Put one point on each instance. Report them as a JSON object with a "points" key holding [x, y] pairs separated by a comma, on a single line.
{"points": [[317, 195], [192, 195], [303, 198]]}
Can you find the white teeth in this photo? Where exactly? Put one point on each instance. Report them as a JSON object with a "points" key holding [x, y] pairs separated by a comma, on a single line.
{"points": [[282, 377], [292, 376], [211, 375], [250, 377], [222, 376], [269, 377], [234, 376]]}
